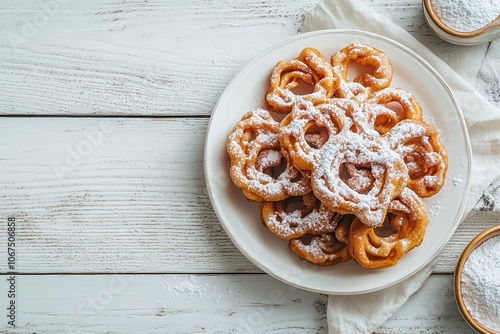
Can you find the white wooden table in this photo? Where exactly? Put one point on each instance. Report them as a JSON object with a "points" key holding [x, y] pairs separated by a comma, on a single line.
{"points": [[104, 107]]}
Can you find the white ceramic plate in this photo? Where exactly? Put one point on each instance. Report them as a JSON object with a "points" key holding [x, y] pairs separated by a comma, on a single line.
{"points": [[240, 218]]}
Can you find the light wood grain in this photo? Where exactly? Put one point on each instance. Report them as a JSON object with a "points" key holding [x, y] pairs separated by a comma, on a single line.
{"points": [[243, 303], [133, 57], [153, 57], [136, 202], [432, 309], [164, 304]]}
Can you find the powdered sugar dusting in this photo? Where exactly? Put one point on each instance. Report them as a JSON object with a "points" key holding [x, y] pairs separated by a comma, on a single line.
{"points": [[250, 156], [466, 15], [457, 181], [315, 218], [481, 285], [344, 148]]}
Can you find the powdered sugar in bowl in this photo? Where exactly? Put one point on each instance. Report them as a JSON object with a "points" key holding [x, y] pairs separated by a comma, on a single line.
{"points": [[464, 22], [477, 282]]}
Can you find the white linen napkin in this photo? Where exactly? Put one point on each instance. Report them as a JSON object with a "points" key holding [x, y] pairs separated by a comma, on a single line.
{"points": [[365, 313]]}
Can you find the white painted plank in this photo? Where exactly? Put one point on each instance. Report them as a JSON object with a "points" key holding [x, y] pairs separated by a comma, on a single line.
{"points": [[133, 199], [163, 304], [155, 57], [243, 303], [132, 57], [432, 309]]}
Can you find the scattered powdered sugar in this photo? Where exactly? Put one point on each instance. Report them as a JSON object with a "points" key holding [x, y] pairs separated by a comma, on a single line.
{"points": [[466, 15], [457, 181], [481, 284], [434, 208], [189, 285]]}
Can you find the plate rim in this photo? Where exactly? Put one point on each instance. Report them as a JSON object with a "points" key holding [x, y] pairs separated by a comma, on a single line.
{"points": [[460, 117]]}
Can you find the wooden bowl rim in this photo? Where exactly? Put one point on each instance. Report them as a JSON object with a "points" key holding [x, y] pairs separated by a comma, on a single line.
{"points": [[477, 241], [434, 17]]}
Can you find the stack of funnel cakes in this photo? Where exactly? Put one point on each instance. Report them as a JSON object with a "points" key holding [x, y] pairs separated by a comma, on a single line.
{"points": [[339, 171]]}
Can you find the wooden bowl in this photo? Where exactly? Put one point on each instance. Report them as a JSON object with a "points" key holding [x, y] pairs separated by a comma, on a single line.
{"points": [[483, 35], [478, 240]]}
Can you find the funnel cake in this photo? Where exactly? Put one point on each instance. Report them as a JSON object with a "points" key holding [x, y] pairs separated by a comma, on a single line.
{"points": [[254, 150], [418, 144], [340, 170], [322, 250], [364, 55], [383, 118], [309, 68], [295, 216], [326, 120], [384, 171], [407, 220]]}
